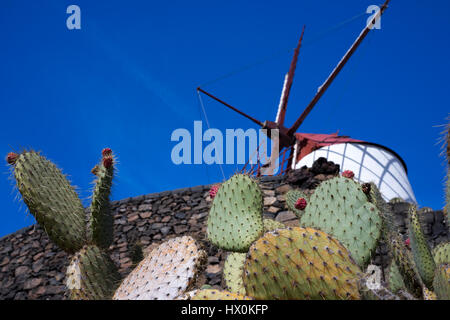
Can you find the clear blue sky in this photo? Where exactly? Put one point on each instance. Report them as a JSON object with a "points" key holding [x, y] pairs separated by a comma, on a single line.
{"points": [[127, 79]]}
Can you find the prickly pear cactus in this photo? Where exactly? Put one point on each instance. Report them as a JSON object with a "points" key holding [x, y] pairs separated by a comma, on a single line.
{"points": [[101, 220], [51, 199], [429, 295], [394, 279], [166, 273], [235, 218], [340, 208], [233, 271], [441, 253], [441, 282], [405, 263], [300, 263], [270, 224], [292, 197], [212, 294], [419, 247], [91, 275]]}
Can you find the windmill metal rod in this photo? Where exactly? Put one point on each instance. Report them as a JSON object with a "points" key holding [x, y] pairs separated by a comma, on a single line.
{"points": [[336, 71], [231, 107], [290, 79]]}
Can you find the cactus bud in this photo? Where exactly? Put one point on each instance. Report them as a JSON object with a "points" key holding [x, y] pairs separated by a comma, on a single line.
{"points": [[300, 204], [407, 242], [348, 174], [213, 191], [11, 158], [107, 162], [106, 152]]}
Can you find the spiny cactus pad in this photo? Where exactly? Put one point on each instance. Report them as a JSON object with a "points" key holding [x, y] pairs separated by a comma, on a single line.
{"points": [[300, 263], [441, 282], [292, 197], [395, 280], [428, 294], [91, 275], [101, 221], [441, 253], [212, 294], [405, 263], [235, 218], [166, 273], [270, 224], [419, 247], [233, 271], [340, 208], [52, 200]]}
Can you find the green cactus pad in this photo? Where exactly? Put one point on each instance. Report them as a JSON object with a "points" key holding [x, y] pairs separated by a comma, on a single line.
{"points": [[212, 294], [395, 280], [235, 218], [291, 198], [405, 263], [441, 282], [51, 200], [91, 275], [441, 253], [300, 263], [421, 252], [340, 208], [270, 224], [101, 221], [233, 271], [166, 273]]}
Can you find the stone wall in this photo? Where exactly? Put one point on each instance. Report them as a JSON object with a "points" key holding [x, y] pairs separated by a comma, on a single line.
{"points": [[32, 267]]}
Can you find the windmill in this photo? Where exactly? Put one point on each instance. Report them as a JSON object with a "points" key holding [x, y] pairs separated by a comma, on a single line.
{"points": [[369, 161]]}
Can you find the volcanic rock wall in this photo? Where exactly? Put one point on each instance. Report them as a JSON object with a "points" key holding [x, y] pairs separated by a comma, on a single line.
{"points": [[32, 267]]}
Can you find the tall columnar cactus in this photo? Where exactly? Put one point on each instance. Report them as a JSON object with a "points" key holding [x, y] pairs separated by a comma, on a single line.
{"points": [[50, 199], [341, 208], [235, 219], [419, 247], [292, 197], [166, 273], [299, 263]]}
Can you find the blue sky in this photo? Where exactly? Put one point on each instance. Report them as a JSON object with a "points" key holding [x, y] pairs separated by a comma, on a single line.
{"points": [[127, 79]]}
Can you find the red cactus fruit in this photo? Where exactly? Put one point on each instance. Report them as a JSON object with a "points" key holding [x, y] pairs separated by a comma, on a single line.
{"points": [[106, 152], [213, 191], [11, 158], [348, 174], [300, 204], [108, 162], [407, 242]]}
